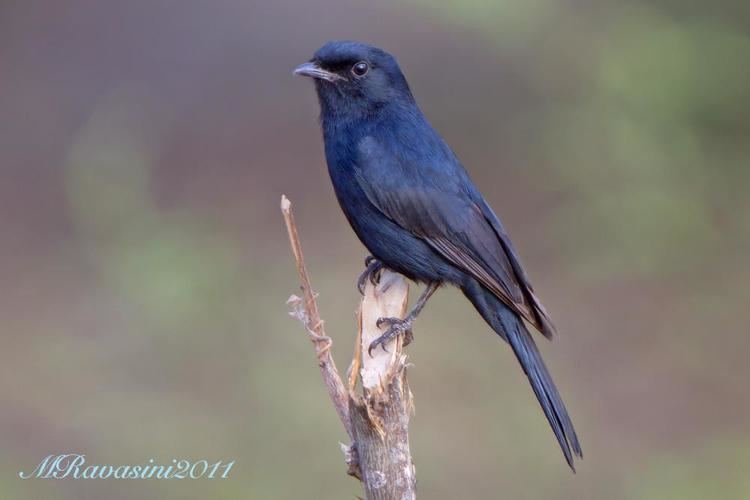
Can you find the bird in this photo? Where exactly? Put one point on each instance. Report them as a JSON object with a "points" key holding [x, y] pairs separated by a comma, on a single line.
{"points": [[413, 205]]}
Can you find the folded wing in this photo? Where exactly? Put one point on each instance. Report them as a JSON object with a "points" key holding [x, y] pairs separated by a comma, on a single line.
{"points": [[430, 202]]}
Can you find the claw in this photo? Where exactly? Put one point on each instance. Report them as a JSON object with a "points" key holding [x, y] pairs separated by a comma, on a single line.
{"points": [[396, 327], [389, 321], [375, 275], [371, 273], [375, 343], [408, 337]]}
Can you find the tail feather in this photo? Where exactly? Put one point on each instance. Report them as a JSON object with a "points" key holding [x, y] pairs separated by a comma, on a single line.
{"points": [[544, 388], [512, 329]]}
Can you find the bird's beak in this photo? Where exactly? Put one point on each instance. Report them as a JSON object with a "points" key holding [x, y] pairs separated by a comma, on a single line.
{"points": [[312, 70]]}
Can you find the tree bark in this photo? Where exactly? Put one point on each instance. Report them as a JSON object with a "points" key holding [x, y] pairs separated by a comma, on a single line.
{"points": [[380, 416], [377, 419]]}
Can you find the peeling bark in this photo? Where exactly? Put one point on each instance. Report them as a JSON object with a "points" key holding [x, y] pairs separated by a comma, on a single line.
{"points": [[377, 419], [380, 417]]}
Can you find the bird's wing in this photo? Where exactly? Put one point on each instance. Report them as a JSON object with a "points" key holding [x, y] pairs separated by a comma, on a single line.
{"points": [[543, 321], [436, 206]]}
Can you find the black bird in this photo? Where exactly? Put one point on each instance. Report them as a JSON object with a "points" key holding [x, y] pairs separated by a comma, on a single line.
{"points": [[414, 207]]}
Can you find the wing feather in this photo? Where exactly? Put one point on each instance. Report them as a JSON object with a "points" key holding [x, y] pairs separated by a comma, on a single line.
{"points": [[438, 209]]}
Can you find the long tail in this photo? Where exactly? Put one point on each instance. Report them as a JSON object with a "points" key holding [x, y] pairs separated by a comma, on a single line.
{"points": [[512, 329]]}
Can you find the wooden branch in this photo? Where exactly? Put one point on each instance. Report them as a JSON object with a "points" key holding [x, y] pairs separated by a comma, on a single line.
{"points": [[306, 310], [377, 420], [380, 417]]}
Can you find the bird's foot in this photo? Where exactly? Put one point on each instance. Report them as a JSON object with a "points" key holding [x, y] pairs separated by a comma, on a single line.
{"points": [[396, 327], [372, 273]]}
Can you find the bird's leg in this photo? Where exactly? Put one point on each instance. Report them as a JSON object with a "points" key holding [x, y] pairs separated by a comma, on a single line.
{"points": [[373, 267], [397, 326]]}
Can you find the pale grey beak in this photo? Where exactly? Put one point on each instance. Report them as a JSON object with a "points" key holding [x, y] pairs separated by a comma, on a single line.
{"points": [[314, 71]]}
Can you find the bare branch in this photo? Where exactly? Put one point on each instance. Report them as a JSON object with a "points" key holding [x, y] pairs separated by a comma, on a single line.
{"points": [[306, 310]]}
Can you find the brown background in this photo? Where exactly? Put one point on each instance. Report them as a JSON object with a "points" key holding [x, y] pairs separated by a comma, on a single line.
{"points": [[144, 146]]}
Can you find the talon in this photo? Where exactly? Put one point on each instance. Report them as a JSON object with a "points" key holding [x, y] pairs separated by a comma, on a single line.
{"points": [[372, 273], [389, 321], [374, 344], [375, 275], [408, 337], [396, 327]]}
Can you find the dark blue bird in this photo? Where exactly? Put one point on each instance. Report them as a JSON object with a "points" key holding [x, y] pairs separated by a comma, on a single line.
{"points": [[412, 204]]}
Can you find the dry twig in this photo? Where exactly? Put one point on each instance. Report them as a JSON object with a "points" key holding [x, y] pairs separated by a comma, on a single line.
{"points": [[306, 310]]}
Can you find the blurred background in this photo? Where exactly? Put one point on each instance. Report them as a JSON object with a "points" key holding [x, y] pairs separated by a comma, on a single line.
{"points": [[144, 146]]}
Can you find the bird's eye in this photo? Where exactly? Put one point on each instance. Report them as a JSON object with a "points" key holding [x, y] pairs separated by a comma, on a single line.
{"points": [[360, 69]]}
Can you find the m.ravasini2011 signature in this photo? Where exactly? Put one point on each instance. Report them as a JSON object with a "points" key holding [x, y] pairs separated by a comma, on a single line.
{"points": [[73, 466]]}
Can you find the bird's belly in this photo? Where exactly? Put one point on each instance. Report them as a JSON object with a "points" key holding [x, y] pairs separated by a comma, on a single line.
{"points": [[394, 246]]}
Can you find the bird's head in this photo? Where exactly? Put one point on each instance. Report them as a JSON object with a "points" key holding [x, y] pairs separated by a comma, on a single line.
{"points": [[354, 79]]}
